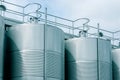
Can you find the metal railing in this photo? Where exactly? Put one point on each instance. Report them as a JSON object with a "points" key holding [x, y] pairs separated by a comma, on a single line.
{"points": [[67, 25]]}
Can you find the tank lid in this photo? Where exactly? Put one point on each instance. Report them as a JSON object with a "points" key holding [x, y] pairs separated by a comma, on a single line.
{"points": [[83, 33], [2, 8], [33, 20]]}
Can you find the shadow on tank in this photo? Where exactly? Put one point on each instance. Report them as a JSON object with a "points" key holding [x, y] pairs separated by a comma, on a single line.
{"points": [[115, 70], [70, 68], [10, 60]]}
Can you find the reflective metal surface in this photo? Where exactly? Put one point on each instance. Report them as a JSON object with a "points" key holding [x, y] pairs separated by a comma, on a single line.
{"points": [[88, 59], [34, 52], [116, 64], [1, 47]]}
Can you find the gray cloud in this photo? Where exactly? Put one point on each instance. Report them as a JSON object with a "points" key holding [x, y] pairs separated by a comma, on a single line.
{"points": [[105, 12]]}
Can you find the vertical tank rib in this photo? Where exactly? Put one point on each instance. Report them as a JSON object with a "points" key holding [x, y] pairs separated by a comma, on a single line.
{"points": [[1, 47]]}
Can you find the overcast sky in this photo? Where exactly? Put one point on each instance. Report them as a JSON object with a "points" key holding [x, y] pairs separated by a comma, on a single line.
{"points": [[105, 12]]}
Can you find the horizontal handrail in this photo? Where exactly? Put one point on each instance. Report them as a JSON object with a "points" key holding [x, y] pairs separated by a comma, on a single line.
{"points": [[55, 16], [87, 20], [12, 4], [32, 4]]}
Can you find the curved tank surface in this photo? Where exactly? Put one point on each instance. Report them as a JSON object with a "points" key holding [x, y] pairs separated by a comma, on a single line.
{"points": [[88, 59], [116, 63], [1, 46], [34, 52]]}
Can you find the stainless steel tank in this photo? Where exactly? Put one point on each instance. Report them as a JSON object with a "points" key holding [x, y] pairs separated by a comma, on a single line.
{"points": [[116, 63], [34, 52], [88, 59], [1, 47]]}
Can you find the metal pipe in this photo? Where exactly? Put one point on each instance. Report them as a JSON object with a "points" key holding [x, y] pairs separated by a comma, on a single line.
{"points": [[113, 38], [55, 16], [45, 44], [73, 28], [32, 4], [23, 15], [101, 29], [58, 24], [88, 20], [36, 11], [31, 13], [15, 12], [55, 21], [117, 31], [98, 26], [12, 4]]}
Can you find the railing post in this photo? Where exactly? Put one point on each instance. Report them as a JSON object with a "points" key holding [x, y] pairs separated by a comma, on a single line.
{"points": [[73, 28], [45, 44], [55, 21], [23, 14], [113, 38], [98, 30]]}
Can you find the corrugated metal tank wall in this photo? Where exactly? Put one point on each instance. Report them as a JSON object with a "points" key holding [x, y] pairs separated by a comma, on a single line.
{"points": [[34, 52], [1, 46], [88, 59], [116, 63]]}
